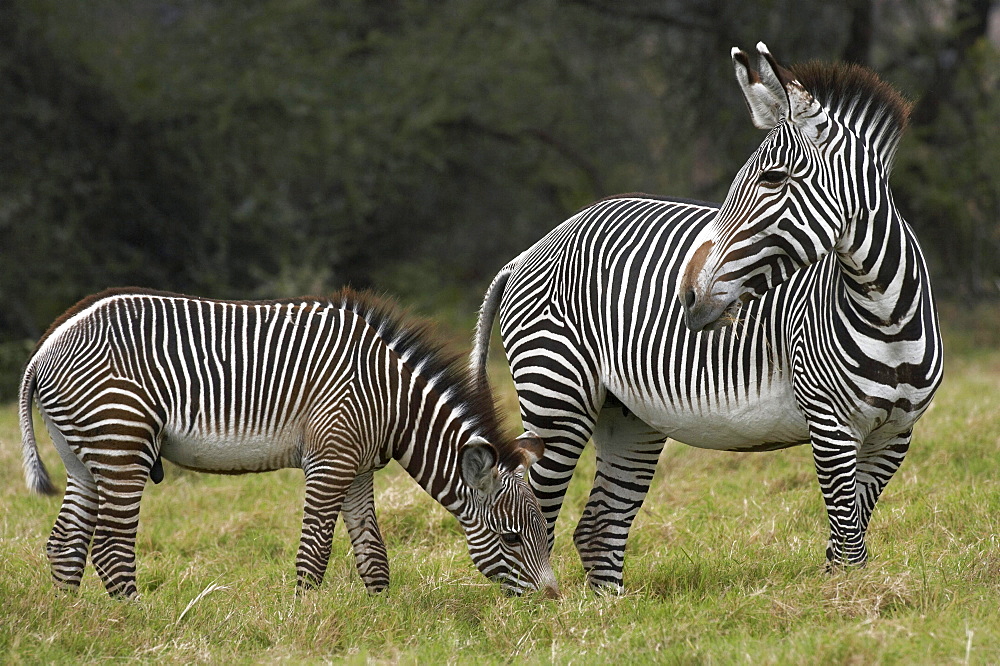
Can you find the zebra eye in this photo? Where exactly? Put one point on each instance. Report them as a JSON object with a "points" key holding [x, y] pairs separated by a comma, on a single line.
{"points": [[511, 538], [773, 176]]}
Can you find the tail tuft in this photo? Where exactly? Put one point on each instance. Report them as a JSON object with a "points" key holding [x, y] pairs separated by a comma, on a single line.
{"points": [[37, 479]]}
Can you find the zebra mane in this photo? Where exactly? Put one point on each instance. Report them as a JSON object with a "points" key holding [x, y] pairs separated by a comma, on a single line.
{"points": [[860, 100], [652, 197], [418, 345]]}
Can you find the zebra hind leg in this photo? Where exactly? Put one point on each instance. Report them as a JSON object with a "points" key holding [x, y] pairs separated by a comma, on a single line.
{"points": [[627, 452], [366, 539], [119, 455], [113, 550], [69, 542], [549, 477], [876, 465], [559, 394], [117, 441]]}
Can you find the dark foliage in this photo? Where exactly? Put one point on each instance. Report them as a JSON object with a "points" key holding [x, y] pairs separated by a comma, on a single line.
{"points": [[268, 148]]}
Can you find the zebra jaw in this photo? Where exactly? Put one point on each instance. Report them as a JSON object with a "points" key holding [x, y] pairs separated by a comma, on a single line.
{"points": [[730, 315]]}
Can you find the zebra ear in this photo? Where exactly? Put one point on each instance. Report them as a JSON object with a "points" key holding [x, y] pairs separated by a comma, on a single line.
{"points": [[477, 464], [801, 108], [808, 114], [531, 448], [768, 104]]}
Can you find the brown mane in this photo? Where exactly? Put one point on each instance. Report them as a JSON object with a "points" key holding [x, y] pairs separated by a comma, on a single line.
{"points": [[414, 339], [648, 197], [856, 96], [836, 85]]}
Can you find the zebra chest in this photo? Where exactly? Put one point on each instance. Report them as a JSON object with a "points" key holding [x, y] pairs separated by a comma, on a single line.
{"points": [[233, 454]]}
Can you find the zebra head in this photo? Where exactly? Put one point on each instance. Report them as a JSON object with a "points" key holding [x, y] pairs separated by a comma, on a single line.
{"points": [[783, 210], [503, 523]]}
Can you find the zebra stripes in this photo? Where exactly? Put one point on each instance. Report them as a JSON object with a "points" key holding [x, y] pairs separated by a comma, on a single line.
{"points": [[798, 312], [337, 387]]}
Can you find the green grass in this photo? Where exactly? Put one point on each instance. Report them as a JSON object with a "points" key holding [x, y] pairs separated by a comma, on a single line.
{"points": [[725, 565]]}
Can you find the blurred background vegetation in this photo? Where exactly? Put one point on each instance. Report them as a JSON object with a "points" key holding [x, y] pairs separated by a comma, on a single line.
{"points": [[269, 148]]}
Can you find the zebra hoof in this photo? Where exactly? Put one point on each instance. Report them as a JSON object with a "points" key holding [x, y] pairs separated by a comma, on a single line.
{"points": [[129, 594], [305, 585], [606, 588], [69, 588], [836, 565]]}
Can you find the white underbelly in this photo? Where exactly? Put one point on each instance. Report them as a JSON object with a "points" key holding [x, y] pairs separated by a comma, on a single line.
{"points": [[768, 419], [219, 453]]}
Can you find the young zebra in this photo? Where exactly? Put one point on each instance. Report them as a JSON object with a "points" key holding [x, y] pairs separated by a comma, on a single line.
{"points": [[337, 387], [835, 342]]}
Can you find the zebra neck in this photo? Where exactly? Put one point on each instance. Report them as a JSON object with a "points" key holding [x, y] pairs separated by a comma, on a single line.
{"points": [[428, 451], [883, 269]]}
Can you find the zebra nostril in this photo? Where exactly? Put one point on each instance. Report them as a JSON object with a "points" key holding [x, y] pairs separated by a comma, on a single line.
{"points": [[689, 298]]}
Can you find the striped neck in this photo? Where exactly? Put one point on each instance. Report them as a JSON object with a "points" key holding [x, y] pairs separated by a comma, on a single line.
{"points": [[428, 441], [883, 270]]}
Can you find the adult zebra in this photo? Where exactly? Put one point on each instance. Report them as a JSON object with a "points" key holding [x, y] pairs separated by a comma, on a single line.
{"points": [[836, 339], [337, 387]]}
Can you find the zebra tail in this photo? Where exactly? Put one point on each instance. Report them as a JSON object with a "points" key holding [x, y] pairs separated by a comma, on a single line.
{"points": [[35, 474], [484, 325]]}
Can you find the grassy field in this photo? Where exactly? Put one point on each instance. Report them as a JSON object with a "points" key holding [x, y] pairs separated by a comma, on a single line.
{"points": [[725, 564]]}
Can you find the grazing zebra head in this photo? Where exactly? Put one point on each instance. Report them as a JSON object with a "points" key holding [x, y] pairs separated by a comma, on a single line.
{"points": [[504, 527], [833, 132]]}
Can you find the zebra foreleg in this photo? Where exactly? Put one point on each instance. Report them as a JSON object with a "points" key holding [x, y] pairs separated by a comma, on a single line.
{"points": [[627, 452], [366, 539], [876, 465], [835, 455], [327, 483], [69, 541]]}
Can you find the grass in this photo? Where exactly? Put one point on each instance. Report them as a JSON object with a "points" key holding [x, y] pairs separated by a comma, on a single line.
{"points": [[724, 565]]}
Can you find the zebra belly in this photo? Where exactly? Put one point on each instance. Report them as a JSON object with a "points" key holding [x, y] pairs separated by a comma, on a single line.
{"points": [[762, 421], [232, 455]]}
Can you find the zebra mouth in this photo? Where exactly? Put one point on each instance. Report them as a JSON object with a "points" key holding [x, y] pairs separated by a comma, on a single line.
{"points": [[731, 313]]}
